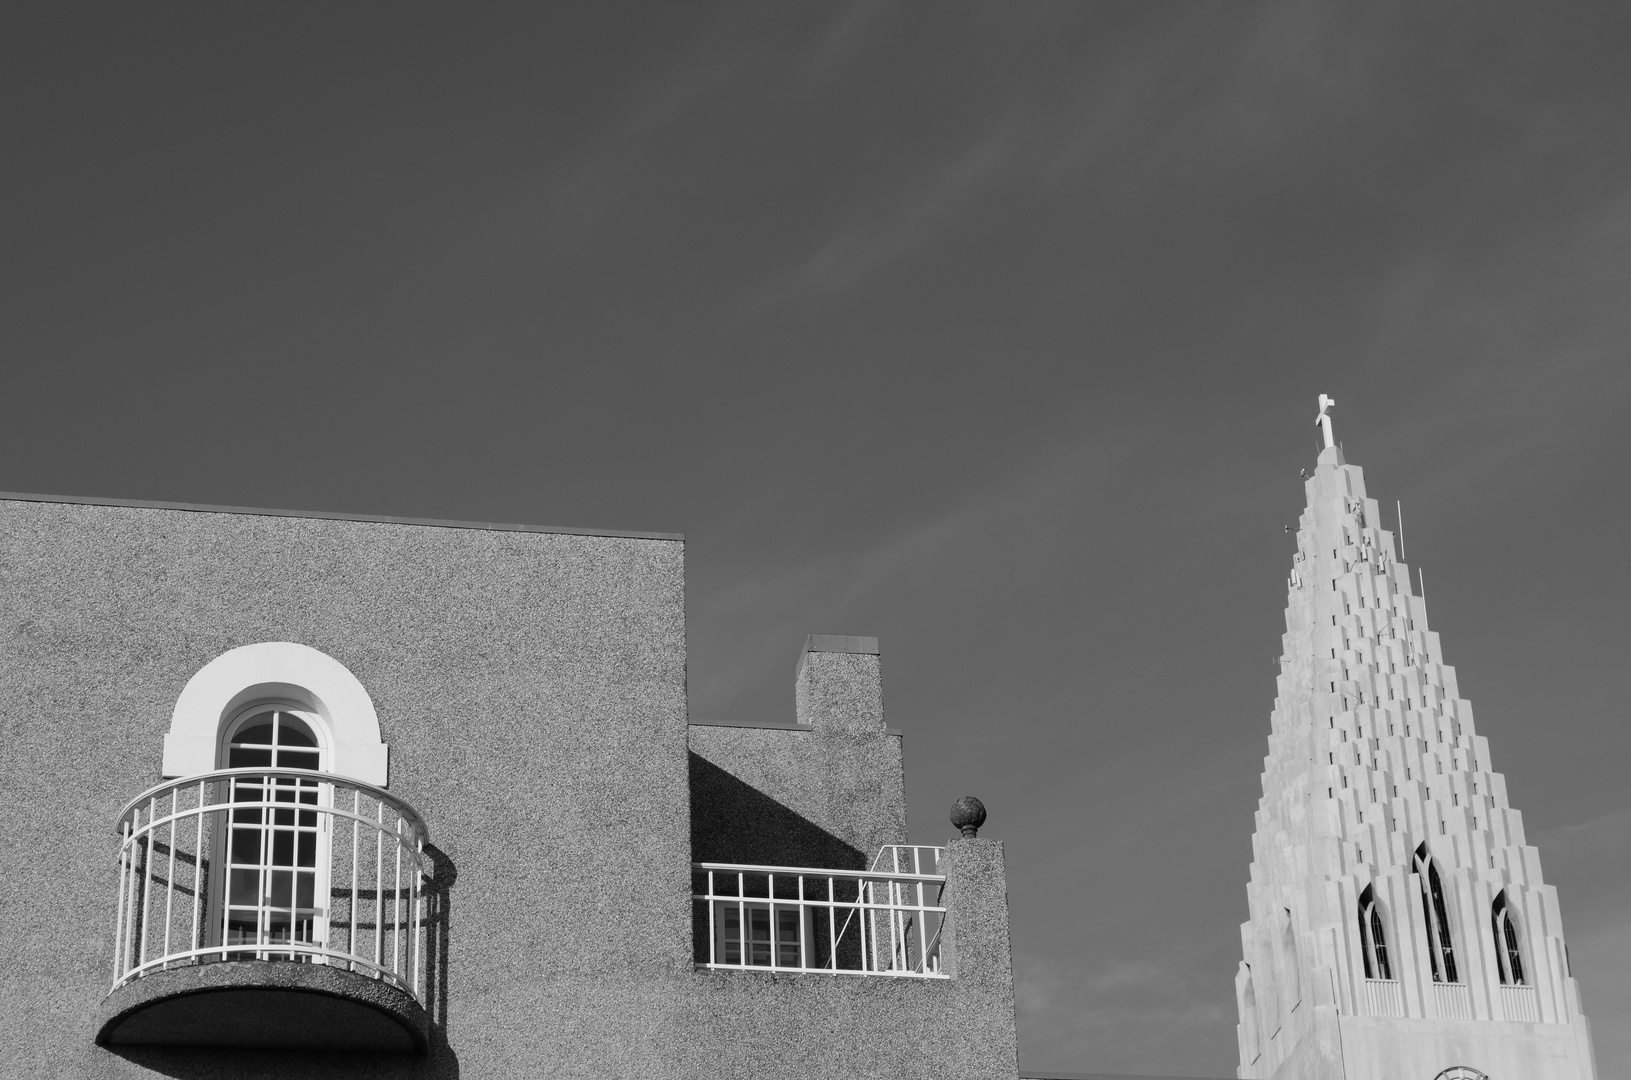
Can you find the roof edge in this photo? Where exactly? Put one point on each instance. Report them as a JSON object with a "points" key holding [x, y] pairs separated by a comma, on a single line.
{"points": [[325, 515]]}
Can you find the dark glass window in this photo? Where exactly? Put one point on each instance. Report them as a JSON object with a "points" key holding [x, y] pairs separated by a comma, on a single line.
{"points": [[271, 853]]}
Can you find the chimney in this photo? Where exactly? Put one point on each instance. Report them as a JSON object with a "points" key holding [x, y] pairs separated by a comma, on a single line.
{"points": [[840, 684]]}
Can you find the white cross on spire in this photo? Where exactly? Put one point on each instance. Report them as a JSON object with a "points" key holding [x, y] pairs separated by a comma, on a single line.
{"points": [[1323, 420]]}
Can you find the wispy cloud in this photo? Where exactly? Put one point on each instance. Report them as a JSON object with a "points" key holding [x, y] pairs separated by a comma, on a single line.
{"points": [[564, 199], [847, 35], [883, 234]]}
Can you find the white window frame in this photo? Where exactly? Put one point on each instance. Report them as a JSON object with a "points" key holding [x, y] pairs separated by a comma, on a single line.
{"points": [[279, 671], [220, 845], [1504, 923]]}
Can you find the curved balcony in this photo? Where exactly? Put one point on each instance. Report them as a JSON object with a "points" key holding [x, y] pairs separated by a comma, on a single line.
{"points": [[270, 908]]}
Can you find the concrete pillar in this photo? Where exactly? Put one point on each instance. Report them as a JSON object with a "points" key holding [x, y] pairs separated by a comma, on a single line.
{"points": [[975, 941], [974, 951]]}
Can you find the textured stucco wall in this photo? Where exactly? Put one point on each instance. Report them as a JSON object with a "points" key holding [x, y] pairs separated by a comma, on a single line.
{"points": [[532, 689], [795, 798], [531, 686], [829, 793]]}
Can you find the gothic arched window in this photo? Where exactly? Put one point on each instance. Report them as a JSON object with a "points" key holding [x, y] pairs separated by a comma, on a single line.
{"points": [[1250, 1048], [1507, 949], [1440, 948], [1288, 945], [1373, 938]]}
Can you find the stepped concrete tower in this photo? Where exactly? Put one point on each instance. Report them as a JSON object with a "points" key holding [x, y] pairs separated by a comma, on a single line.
{"points": [[1400, 927]]}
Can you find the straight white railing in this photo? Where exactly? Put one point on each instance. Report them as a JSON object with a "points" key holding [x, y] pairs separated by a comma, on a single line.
{"points": [[1454, 1000], [1520, 1003], [834, 922], [908, 859], [1383, 998], [272, 864]]}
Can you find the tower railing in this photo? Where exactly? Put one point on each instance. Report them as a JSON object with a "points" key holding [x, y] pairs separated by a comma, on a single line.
{"points": [[1383, 998], [815, 921], [1520, 1003], [1454, 1000], [272, 864]]}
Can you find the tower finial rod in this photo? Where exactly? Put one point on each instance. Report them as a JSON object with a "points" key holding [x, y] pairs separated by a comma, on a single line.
{"points": [[1323, 420]]}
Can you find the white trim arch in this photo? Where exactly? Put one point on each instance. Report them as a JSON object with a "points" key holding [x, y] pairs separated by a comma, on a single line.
{"points": [[276, 671]]}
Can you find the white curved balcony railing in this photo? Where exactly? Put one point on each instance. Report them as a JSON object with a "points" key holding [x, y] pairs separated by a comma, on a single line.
{"points": [[272, 864], [829, 922]]}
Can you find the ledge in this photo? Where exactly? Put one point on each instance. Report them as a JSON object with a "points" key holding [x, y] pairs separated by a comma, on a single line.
{"points": [[324, 515], [265, 1004], [771, 725], [842, 643]]}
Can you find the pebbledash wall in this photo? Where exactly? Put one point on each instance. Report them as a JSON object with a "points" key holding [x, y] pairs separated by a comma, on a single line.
{"points": [[531, 689]]}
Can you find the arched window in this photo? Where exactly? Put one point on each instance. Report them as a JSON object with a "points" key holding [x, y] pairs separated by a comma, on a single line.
{"points": [[309, 682], [1249, 1044], [1288, 945], [1507, 949], [275, 851], [1440, 948], [1373, 938]]}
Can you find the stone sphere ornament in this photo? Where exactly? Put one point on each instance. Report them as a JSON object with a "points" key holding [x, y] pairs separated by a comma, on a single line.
{"points": [[967, 815]]}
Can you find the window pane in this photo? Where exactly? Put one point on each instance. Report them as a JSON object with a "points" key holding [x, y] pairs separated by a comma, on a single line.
{"points": [[241, 928], [296, 759], [305, 883], [308, 849], [258, 731], [759, 930], [281, 892], [245, 888], [246, 846], [282, 848], [292, 731], [787, 937], [243, 758]]}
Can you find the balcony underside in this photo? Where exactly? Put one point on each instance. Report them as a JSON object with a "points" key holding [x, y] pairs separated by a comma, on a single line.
{"points": [[264, 1004]]}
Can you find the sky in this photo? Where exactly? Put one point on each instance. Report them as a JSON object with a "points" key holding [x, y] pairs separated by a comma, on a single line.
{"points": [[993, 330]]}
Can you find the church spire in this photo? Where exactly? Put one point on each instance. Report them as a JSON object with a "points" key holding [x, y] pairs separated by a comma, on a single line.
{"points": [[1396, 906]]}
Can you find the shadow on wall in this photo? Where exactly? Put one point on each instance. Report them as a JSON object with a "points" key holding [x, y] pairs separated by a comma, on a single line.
{"points": [[733, 822], [440, 1063]]}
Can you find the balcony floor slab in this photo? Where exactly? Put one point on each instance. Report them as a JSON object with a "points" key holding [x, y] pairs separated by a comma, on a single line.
{"points": [[264, 1004]]}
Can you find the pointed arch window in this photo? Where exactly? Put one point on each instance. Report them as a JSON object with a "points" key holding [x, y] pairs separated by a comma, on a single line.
{"points": [[1373, 938], [1288, 945], [1508, 950], [1250, 1048], [1440, 947]]}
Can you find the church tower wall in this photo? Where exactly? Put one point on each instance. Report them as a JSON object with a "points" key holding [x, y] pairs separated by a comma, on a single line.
{"points": [[1400, 925]]}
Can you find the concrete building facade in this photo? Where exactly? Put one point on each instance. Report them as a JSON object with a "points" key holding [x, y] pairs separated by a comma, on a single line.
{"points": [[305, 796], [1400, 925]]}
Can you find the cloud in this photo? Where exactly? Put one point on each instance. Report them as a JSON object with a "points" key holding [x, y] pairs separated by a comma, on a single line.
{"points": [[883, 234], [565, 199], [848, 34]]}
